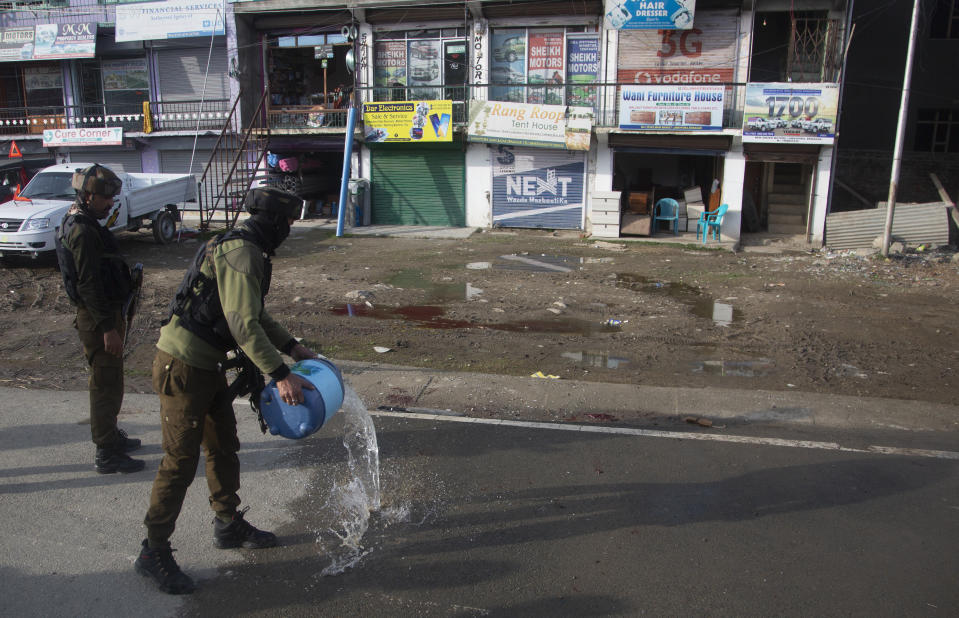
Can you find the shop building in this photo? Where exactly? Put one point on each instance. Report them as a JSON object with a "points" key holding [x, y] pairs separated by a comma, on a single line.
{"points": [[734, 101], [85, 81]]}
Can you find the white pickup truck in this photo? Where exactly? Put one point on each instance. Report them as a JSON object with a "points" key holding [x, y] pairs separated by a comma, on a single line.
{"points": [[28, 224]]}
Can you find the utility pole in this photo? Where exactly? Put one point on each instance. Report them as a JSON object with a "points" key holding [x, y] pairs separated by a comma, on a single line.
{"points": [[900, 130]]}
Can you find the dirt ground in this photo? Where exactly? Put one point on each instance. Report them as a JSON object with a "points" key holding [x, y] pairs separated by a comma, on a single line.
{"points": [[523, 302]]}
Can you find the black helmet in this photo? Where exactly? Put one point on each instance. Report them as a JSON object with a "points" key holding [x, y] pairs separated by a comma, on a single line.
{"points": [[272, 203], [97, 180]]}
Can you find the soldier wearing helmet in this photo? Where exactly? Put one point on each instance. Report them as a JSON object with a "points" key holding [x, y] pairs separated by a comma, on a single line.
{"points": [[97, 281], [219, 307]]}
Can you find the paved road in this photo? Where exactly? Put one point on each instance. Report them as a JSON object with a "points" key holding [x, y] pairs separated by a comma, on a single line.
{"points": [[489, 517]]}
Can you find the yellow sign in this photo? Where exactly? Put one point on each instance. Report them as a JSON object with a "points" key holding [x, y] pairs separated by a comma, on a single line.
{"points": [[409, 121]]}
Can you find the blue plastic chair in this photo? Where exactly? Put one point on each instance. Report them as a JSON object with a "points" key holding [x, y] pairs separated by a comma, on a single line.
{"points": [[667, 209], [711, 221]]}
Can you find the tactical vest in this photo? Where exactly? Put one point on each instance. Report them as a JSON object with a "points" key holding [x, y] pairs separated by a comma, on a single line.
{"points": [[113, 271], [197, 300]]}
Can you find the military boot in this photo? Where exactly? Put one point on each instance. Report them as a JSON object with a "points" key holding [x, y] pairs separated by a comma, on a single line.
{"points": [[112, 459], [159, 564], [240, 533], [126, 443]]}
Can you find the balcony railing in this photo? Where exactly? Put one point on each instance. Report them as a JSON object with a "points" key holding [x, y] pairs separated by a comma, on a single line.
{"points": [[150, 116], [603, 97]]}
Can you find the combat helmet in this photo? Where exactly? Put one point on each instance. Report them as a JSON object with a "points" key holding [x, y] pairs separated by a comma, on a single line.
{"points": [[272, 202], [96, 180]]}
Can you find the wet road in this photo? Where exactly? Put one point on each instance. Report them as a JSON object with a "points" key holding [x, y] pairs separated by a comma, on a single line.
{"points": [[486, 517], [513, 520]]}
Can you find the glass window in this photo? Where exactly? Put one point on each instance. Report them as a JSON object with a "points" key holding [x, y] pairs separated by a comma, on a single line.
{"points": [[419, 64]]}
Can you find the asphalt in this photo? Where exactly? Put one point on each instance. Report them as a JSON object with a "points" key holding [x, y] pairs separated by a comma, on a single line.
{"points": [[71, 536]]}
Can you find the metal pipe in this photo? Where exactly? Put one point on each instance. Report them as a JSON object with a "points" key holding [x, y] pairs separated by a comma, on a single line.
{"points": [[900, 132], [345, 178]]}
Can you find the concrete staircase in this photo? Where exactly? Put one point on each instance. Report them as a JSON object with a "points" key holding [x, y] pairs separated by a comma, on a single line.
{"points": [[787, 201]]}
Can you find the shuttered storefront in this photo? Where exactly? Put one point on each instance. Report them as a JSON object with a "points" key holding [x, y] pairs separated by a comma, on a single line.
{"points": [[182, 73], [178, 161], [120, 160], [538, 187], [420, 184]]}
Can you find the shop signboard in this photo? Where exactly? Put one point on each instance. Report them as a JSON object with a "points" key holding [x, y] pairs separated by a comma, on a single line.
{"points": [[537, 188], [130, 74], [98, 136], [508, 64], [408, 121], [48, 42], [582, 68], [650, 15], [671, 108], [171, 19], [389, 58], [42, 78], [522, 124], [790, 113], [546, 62], [705, 54]]}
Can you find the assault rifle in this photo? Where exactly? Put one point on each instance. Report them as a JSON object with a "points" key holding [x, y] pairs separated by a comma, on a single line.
{"points": [[132, 302], [249, 380]]}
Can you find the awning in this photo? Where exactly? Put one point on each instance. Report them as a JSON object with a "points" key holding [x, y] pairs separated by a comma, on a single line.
{"points": [[700, 145], [782, 153]]}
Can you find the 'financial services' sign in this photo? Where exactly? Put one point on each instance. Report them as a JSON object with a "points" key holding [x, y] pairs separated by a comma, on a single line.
{"points": [[172, 19]]}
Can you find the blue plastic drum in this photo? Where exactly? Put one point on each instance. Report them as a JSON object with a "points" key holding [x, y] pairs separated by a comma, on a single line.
{"points": [[302, 420]]}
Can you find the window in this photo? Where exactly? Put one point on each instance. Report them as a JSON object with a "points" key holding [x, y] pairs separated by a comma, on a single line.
{"points": [[420, 64], [551, 66], [937, 130], [32, 5], [945, 20]]}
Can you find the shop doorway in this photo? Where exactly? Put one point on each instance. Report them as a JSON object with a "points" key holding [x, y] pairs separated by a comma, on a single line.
{"points": [[643, 178], [312, 175], [776, 197], [309, 76]]}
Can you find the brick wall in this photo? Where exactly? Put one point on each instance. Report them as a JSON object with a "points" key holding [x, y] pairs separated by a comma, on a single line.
{"points": [[867, 172]]}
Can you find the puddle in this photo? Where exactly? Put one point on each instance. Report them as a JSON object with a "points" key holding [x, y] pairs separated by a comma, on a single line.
{"points": [[539, 263], [432, 316], [746, 369], [592, 358], [722, 314]]}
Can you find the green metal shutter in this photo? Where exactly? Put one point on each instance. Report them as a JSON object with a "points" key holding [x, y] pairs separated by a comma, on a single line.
{"points": [[418, 185]]}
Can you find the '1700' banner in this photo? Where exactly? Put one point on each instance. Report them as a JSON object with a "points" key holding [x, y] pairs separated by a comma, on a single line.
{"points": [[790, 113]]}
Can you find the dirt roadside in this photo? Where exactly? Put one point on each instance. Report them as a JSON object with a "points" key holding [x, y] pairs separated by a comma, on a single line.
{"points": [[518, 303]]}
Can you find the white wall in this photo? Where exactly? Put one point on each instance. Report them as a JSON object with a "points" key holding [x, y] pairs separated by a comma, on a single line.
{"points": [[479, 186], [823, 178], [734, 178]]}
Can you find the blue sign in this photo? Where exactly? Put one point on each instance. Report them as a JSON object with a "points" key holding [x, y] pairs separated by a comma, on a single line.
{"points": [[650, 15]]}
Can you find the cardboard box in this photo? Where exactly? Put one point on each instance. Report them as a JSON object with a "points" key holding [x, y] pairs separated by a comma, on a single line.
{"points": [[693, 194], [639, 225], [639, 202]]}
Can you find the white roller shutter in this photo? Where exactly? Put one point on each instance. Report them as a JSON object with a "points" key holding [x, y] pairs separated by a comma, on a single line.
{"points": [[119, 160], [178, 161], [182, 73]]}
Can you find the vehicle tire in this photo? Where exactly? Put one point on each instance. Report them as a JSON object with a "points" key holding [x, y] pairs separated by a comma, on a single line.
{"points": [[164, 227]]}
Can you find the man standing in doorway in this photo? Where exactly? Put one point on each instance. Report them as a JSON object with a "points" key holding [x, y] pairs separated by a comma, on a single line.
{"points": [[219, 307], [98, 282]]}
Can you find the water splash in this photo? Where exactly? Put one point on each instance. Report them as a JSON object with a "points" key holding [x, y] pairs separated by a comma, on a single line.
{"points": [[353, 502]]}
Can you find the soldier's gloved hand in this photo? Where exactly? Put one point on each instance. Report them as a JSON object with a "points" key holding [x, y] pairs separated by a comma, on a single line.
{"points": [[301, 352], [113, 343], [291, 389]]}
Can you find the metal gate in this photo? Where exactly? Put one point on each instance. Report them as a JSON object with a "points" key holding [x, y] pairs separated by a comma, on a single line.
{"points": [[418, 185], [538, 187], [120, 160]]}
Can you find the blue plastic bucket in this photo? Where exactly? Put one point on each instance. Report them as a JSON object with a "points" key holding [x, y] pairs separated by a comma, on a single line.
{"points": [[320, 405]]}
